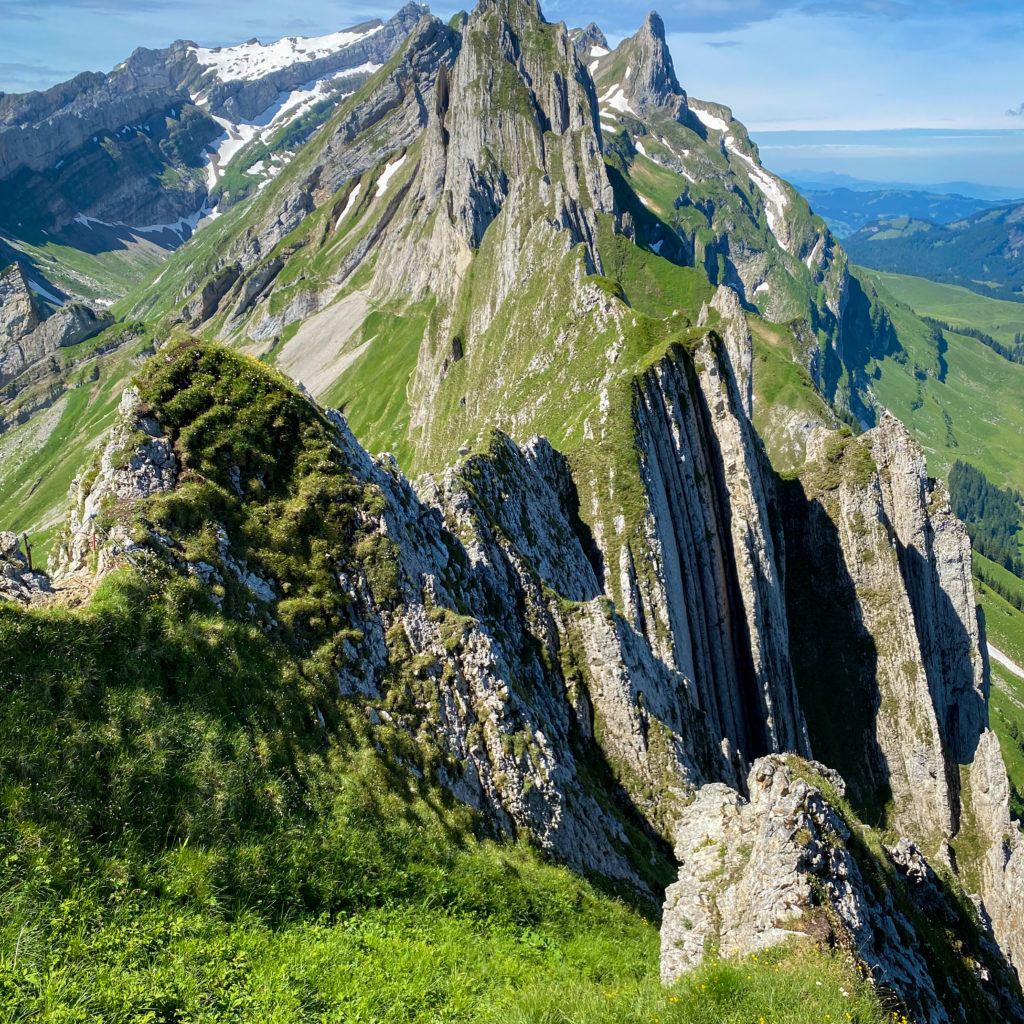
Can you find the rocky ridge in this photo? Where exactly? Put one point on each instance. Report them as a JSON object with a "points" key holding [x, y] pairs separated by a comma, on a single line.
{"points": [[625, 588], [18, 581], [518, 663], [786, 866]]}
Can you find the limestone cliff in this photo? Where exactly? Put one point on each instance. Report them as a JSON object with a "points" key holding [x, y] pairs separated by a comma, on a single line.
{"points": [[789, 866]]}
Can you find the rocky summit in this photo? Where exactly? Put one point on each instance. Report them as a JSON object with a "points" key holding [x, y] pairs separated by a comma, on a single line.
{"points": [[478, 549]]}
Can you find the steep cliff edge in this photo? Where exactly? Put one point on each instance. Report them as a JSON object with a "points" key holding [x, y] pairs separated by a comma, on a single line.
{"points": [[475, 617]]}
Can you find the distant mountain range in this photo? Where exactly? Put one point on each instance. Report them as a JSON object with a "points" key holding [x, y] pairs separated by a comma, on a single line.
{"points": [[847, 210], [827, 181], [105, 173], [982, 252]]}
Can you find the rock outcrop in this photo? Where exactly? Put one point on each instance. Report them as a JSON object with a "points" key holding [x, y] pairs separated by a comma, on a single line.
{"points": [[137, 461], [26, 338], [19, 311], [18, 580], [786, 866]]}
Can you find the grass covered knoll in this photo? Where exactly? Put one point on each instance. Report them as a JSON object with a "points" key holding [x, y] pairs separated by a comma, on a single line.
{"points": [[196, 826]]}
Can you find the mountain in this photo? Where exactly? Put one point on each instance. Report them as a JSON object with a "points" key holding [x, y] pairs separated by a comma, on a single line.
{"points": [[647, 588], [119, 168], [847, 211], [981, 252]]}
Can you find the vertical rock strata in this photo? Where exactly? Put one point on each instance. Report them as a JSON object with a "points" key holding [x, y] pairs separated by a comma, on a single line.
{"points": [[514, 127], [713, 601]]}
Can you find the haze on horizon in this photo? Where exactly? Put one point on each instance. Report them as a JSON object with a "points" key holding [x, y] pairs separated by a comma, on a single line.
{"points": [[783, 66]]}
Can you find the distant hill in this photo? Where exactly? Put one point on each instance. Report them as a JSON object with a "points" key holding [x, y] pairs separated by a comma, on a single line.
{"points": [[982, 252], [847, 210], [826, 181]]}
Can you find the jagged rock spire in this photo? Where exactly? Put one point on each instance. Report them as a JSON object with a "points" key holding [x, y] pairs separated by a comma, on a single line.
{"points": [[653, 82], [641, 67], [517, 101], [509, 96]]}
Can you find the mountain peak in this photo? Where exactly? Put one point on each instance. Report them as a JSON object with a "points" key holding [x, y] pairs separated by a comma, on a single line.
{"points": [[585, 39], [654, 81], [639, 72], [654, 25]]}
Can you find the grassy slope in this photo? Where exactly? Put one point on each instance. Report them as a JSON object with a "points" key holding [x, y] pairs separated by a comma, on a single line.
{"points": [[1004, 627], [956, 305], [980, 396], [206, 830]]}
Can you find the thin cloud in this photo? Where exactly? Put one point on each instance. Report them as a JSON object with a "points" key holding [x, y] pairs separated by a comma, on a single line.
{"points": [[704, 16], [1016, 111]]}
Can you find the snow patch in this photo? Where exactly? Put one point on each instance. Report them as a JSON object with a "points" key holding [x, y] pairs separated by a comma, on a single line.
{"points": [[640, 147], [388, 173], [708, 119], [45, 292], [657, 246], [352, 197], [189, 224], [599, 51], [251, 61], [775, 196], [762, 287], [179, 227], [616, 99], [286, 107]]}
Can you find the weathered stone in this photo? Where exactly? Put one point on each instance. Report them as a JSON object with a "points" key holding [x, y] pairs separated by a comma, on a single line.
{"points": [[783, 867]]}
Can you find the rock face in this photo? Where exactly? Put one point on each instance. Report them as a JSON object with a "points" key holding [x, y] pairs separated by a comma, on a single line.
{"points": [[875, 537], [25, 338], [19, 313], [137, 461], [708, 522], [785, 866], [986, 806], [18, 582], [514, 128]]}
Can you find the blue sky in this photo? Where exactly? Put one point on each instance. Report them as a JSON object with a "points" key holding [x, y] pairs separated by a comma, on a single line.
{"points": [[782, 65]]}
